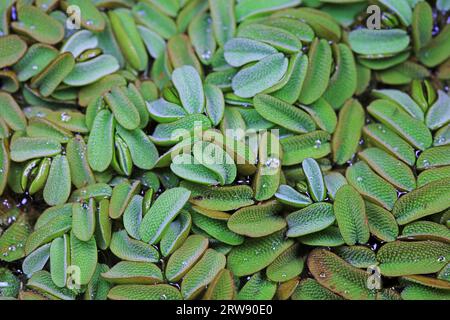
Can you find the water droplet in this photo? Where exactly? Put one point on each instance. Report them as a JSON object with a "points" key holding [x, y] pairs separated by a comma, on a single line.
{"points": [[440, 140], [359, 179], [163, 297], [426, 163], [65, 117], [34, 67], [317, 144], [322, 275], [12, 248], [32, 27], [273, 163], [206, 55], [89, 22], [441, 259]]}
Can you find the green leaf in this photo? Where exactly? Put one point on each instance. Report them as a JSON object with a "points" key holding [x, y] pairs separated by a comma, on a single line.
{"points": [[386, 139], [128, 38], [258, 220], [143, 152], [132, 216], [83, 254], [401, 99], [100, 143], [388, 167], [25, 148], [38, 25], [217, 229], [439, 113], [311, 219], [407, 258], [87, 72], [343, 82], [257, 288], [382, 223], [215, 104], [83, 220], [287, 266], [203, 272], [283, 114], [223, 20], [13, 48], [314, 178], [131, 272], [132, 250], [176, 233], [164, 111], [184, 258], [36, 260], [189, 86], [221, 288], [215, 159], [248, 8], [257, 253], [318, 74], [123, 109], [58, 185], [429, 199], [202, 37], [276, 37], [311, 145], [80, 172], [162, 212], [291, 197], [401, 8], [41, 281], [60, 260], [240, 51], [348, 131], [12, 114], [144, 292], [55, 228], [412, 130], [310, 289], [378, 42], [370, 185], [12, 240], [338, 276], [219, 198], [351, 216], [261, 76]]}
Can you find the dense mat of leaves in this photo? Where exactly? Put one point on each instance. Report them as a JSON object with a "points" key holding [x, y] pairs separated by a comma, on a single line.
{"points": [[224, 149]]}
